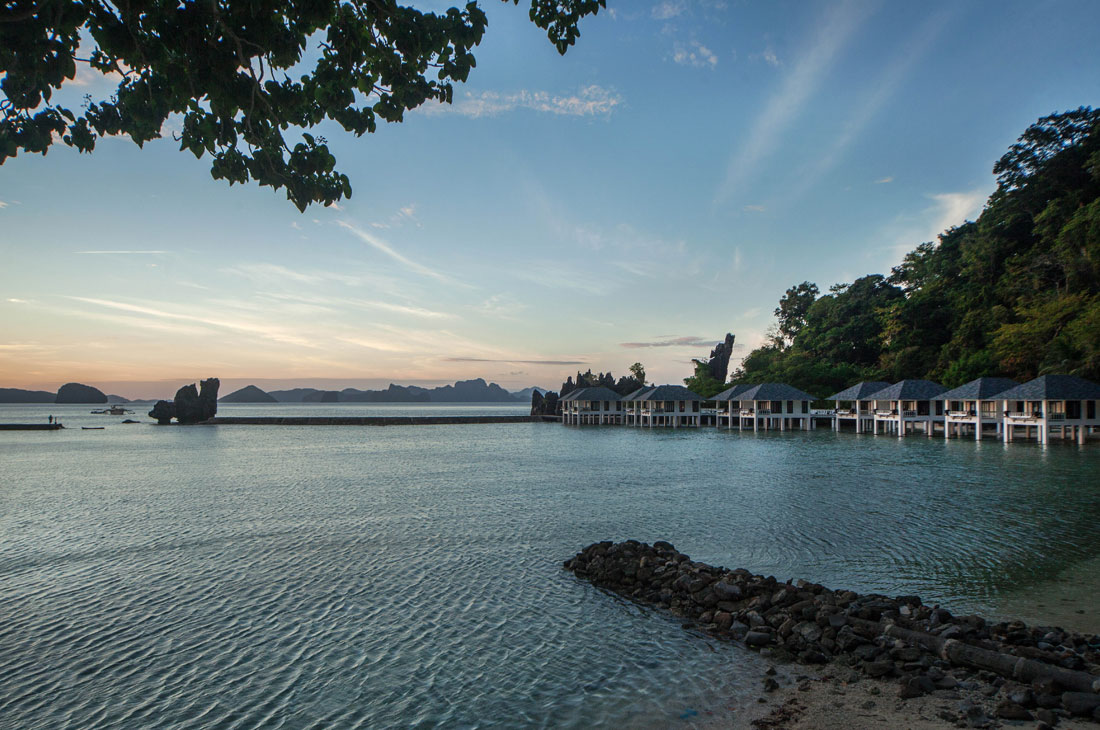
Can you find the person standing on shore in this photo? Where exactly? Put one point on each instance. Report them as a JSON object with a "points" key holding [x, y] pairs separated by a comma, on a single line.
{"points": [[51, 420]]}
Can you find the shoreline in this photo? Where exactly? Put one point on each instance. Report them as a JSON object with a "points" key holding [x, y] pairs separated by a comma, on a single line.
{"points": [[891, 662]]}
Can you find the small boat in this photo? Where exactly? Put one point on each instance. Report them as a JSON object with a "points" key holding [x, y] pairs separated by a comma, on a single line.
{"points": [[115, 410], [91, 428]]}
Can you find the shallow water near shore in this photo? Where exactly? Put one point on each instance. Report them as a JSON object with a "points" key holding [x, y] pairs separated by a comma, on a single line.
{"points": [[411, 576]]}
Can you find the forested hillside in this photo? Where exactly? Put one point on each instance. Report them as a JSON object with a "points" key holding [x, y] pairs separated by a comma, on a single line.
{"points": [[1015, 293]]}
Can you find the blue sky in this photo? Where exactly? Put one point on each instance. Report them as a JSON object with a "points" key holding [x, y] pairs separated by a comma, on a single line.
{"points": [[658, 186]]}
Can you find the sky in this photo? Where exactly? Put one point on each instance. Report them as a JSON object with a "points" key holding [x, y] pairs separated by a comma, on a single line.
{"points": [[660, 185]]}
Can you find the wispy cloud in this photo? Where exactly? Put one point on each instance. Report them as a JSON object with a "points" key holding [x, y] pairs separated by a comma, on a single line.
{"points": [[694, 54], [946, 211], [667, 9], [953, 209], [3, 205], [14, 300], [515, 362], [121, 253], [884, 180], [769, 57], [786, 105], [381, 245], [502, 306], [591, 101], [885, 85], [684, 341], [754, 208], [157, 311]]}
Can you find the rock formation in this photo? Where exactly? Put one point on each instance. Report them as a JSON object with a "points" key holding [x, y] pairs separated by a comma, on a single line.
{"points": [[79, 393], [719, 361], [191, 404], [544, 405]]}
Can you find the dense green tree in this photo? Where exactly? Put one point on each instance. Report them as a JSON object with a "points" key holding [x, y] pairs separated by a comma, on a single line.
{"points": [[242, 75], [637, 371], [793, 308], [1015, 293]]}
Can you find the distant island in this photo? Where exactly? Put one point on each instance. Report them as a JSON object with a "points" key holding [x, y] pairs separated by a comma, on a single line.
{"points": [[463, 391], [69, 393]]}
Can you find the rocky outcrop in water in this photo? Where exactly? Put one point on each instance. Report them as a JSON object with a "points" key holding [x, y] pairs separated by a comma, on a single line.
{"points": [[191, 405], [79, 393], [544, 405], [925, 648]]}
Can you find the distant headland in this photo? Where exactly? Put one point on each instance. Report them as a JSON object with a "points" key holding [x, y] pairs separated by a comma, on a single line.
{"points": [[462, 391]]}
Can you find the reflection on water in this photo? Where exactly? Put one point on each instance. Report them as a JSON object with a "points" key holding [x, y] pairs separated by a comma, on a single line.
{"points": [[369, 577]]}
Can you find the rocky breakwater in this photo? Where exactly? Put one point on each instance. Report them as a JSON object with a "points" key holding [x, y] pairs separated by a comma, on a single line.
{"points": [[1024, 672]]}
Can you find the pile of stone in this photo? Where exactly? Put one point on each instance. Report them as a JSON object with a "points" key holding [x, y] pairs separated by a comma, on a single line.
{"points": [[1037, 673]]}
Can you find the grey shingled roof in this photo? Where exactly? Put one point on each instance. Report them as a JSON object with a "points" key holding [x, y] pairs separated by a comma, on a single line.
{"points": [[860, 390], [637, 393], [980, 389], [910, 390], [599, 393], [1053, 387], [775, 391], [731, 393], [670, 392]]}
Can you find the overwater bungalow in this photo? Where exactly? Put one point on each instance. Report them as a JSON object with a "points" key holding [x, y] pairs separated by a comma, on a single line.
{"points": [[669, 405], [1064, 404], [728, 405], [775, 405], [900, 407], [632, 406], [974, 406], [856, 404], [592, 406]]}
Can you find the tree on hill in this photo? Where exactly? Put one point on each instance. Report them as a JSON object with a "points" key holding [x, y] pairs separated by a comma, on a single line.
{"points": [[1015, 293], [225, 66]]}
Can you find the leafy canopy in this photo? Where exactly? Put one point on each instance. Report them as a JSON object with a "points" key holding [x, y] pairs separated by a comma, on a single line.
{"points": [[1015, 293], [233, 70]]}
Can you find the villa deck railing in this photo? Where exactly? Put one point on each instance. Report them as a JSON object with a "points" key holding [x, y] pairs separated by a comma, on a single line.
{"points": [[962, 414]]}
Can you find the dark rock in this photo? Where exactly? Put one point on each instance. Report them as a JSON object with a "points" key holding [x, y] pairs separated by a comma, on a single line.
{"points": [[1009, 710], [79, 393], [770, 685], [1080, 704], [164, 411], [1046, 716], [913, 687], [758, 638], [879, 668], [195, 406], [726, 591]]}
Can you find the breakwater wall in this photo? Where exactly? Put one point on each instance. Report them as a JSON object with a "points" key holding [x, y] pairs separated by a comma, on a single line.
{"points": [[364, 420], [30, 426], [1033, 672]]}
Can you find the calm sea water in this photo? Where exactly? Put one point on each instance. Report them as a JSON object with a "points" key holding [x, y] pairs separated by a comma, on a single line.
{"points": [[410, 576]]}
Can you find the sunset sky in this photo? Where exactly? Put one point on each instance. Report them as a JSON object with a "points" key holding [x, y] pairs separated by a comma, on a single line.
{"points": [[660, 185]]}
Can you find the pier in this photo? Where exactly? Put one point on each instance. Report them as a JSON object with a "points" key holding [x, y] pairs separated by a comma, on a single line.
{"points": [[30, 426]]}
